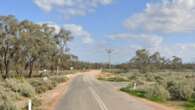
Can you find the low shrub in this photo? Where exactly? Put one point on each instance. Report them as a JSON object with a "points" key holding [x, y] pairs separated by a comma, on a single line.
{"points": [[156, 92], [9, 93], [149, 77], [36, 104], [21, 86], [129, 90], [117, 79], [59, 79], [153, 92], [133, 77], [180, 90], [42, 86], [101, 78], [193, 95], [6, 102], [116, 71], [27, 90], [190, 105], [114, 78]]}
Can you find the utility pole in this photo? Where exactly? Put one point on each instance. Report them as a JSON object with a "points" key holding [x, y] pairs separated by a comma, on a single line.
{"points": [[109, 51]]}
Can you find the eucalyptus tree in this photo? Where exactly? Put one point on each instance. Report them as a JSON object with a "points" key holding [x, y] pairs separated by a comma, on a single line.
{"points": [[62, 38], [141, 60], [145, 61], [155, 61], [38, 45], [8, 39], [176, 62], [25, 46]]}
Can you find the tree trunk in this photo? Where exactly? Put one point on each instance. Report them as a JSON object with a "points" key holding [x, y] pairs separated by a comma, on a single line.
{"points": [[30, 69], [6, 64], [26, 66], [6, 69], [1, 70]]}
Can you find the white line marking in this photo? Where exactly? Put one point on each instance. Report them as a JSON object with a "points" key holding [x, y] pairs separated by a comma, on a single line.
{"points": [[98, 99]]}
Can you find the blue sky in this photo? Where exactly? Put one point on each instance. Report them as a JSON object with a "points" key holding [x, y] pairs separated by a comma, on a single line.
{"points": [[167, 26]]}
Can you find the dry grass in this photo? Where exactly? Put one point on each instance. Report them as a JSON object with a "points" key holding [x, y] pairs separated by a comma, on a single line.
{"points": [[14, 92], [166, 86]]}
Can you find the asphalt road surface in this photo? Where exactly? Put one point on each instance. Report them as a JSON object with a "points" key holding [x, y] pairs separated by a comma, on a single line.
{"points": [[85, 92]]}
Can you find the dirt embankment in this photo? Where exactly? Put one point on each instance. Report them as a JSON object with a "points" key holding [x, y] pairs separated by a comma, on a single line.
{"points": [[52, 97]]}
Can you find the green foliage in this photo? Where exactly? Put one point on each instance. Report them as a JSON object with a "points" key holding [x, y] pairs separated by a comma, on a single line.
{"points": [[145, 62], [59, 79], [47, 48], [36, 104], [12, 90], [41, 86], [6, 102], [153, 92], [164, 86], [20, 86], [129, 90], [180, 90], [190, 105], [115, 78], [116, 71], [157, 93]]}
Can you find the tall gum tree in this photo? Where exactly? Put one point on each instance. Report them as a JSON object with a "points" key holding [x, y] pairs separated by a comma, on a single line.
{"points": [[8, 31]]}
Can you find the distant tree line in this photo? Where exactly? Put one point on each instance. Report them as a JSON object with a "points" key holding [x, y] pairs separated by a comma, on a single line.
{"points": [[144, 61], [82, 65], [26, 46]]}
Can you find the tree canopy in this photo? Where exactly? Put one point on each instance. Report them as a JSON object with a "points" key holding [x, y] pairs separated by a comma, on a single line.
{"points": [[26, 46]]}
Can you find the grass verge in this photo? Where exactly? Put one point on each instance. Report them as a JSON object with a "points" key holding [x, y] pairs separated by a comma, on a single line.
{"points": [[190, 105]]}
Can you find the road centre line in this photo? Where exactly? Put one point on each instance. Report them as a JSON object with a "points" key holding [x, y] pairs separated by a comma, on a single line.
{"points": [[98, 99]]}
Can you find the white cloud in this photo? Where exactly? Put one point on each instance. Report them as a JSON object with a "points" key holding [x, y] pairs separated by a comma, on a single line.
{"points": [[165, 16], [148, 40], [183, 50], [70, 8], [48, 5], [78, 31], [153, 43], [54, 25]]}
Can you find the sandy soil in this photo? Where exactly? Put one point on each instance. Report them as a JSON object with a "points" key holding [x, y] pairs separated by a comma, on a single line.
{"points": [[51, 98]]}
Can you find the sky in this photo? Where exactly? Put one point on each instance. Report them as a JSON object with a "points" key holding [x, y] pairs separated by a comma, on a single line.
{"points": [[167, 26]]}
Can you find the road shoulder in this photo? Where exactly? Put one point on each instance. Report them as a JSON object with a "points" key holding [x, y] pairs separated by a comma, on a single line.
{"points": [[51, 98]]}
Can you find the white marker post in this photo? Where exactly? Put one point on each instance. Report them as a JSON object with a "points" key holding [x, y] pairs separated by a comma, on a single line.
{"points": [[45, 70], [134, 86], [29, 104], [71, 68]]}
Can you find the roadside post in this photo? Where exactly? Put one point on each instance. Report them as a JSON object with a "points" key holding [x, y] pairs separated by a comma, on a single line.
{"points": [[45, 71], [134, 86], [29, 104], [71, 68]]}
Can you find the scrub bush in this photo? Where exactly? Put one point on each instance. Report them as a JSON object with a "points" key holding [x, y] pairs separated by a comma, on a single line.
{"points": [[180, 90], [6, 102], [21, 86]]}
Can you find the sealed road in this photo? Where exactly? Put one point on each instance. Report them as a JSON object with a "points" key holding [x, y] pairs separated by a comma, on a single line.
{"points": [[87, 93]]}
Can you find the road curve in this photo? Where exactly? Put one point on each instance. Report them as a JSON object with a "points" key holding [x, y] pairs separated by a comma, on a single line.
{"points": [[87, 93]]}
